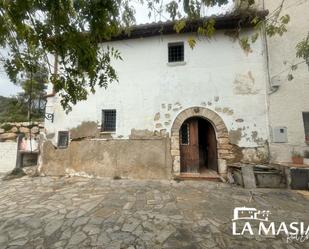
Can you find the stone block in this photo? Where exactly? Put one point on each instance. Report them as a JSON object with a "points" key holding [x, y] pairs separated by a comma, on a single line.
{"points": [[175, 132], [223, 140], [211, 115], [14, 130], [175, 146], [175, 152], [221, 134], [159, 125], [221, 127], [206, 113], [222, 166], [225, 147], [178, 122], [157, 116], [176, 164], [222, 151], [179, 119], [248, 177], [35, 130], [175, 140], [226, 156], [24, 130], [8, 136], [217, 121]]}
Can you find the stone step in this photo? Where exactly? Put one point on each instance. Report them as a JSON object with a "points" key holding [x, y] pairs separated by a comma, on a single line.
{"points": [[197, 176]]}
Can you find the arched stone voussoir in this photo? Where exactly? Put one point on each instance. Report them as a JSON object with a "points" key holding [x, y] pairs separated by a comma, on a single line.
{"points": [[202, 112], [218, 124]]}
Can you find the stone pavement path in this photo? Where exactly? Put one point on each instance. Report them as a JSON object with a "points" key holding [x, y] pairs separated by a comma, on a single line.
{"points": [[46, 212]]}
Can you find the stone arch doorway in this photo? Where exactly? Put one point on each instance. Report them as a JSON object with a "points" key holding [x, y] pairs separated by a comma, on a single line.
{"points": [[198, 146], [221, 135]]}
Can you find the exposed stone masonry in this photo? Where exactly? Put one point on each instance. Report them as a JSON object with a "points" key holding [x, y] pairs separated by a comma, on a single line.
{"points": [[10, 131], [224, 147]]}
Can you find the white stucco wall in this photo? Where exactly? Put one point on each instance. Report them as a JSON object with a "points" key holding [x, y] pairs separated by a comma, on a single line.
{"points": [[218, 75], [291, 99], [8, 151]]}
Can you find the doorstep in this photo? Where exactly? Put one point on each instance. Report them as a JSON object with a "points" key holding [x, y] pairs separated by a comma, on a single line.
{"points": [[207, 175]]}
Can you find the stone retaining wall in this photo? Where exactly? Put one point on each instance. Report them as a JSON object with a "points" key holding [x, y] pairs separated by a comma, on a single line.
{"points": [[10, 131]]}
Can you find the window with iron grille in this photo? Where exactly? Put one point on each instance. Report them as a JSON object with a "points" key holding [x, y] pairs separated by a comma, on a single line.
{"points": [[63, 139], [184, 134], [175, 52], [306, 125], [108, 121]]}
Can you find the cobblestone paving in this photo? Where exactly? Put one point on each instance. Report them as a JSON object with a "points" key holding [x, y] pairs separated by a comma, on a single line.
{"points": [[112, 214]]}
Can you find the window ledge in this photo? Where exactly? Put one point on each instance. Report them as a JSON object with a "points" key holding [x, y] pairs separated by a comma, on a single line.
{"points": [[107, 132], [177, 63]]}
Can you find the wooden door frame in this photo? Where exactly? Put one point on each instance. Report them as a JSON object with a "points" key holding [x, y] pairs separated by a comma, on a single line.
{"points": [[220, 130]]}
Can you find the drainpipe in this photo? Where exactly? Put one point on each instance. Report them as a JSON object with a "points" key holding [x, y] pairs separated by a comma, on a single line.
{"points": [[270, 89]]}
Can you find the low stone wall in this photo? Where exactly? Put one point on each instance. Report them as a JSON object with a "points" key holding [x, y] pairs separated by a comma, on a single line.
{"points": [[10, 131], [131, 158]]}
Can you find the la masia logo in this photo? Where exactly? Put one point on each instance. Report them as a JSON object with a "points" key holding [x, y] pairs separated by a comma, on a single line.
{"points": [[250, 221]]}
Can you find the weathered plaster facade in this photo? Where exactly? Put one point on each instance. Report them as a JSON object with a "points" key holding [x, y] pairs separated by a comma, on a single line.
{"points": [[8, 152], [135, 158], [226, 85], [289, 99]]}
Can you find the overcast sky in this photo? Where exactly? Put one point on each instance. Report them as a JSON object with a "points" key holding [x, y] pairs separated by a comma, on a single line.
{"points": [[8, 89]]}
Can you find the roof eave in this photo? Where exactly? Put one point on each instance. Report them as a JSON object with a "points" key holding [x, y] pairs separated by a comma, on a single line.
{"points": [[226, 22]]}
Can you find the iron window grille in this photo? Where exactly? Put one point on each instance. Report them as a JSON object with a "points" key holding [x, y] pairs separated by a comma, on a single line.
{"points": [[176, 52], [108, 121], [184, 134], [63, 139], [306, 125]]}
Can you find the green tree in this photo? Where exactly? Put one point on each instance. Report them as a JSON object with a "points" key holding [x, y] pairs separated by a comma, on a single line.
{"points": [[13, 109], [73, 30], [34, 85], [32, 79]]}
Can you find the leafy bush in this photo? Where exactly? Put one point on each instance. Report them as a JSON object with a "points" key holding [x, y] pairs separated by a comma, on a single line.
{"points": [[6, 127]]}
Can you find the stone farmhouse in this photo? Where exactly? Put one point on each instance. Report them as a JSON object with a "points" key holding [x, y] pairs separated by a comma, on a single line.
{"points": [[177, 110]]}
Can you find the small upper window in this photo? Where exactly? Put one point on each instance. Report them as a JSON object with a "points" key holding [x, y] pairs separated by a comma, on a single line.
{"points": [[175, 52], [63, 139], [306, 125], [108, 121]]}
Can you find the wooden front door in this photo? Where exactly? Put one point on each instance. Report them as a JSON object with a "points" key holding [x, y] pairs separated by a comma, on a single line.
{"points": [[189, 146], [198, 146]]}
